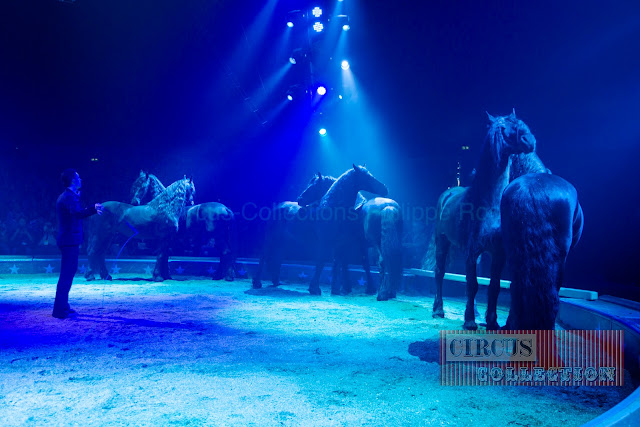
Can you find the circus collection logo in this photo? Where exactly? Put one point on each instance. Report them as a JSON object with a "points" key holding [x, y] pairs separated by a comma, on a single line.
{"points": [[563, 358]]}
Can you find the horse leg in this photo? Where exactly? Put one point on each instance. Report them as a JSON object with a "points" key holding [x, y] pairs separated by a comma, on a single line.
{"points": [[442, 250], [371, 286], [314, 285], [472, 290], [335, 272], [346, 280], [256, 281], [161, 270], [497, 264]]}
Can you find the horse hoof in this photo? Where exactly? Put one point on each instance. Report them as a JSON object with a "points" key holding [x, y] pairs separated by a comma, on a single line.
{"points": [[109, 278], [385, 297], [158, 279], [229, 278], [90, 277], [438, 313], [335, 292], [470, 325], [493, 326], [256, 285], [370, 291], [315, 291]]}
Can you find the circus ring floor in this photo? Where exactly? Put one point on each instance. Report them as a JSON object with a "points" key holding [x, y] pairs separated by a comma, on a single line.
{"points": [[193, 351]]}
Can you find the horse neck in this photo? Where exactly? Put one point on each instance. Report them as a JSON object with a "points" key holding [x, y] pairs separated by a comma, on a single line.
{"points": [[343, 193], [492, 174], [171, 200], [156, 186], [522, 164]]}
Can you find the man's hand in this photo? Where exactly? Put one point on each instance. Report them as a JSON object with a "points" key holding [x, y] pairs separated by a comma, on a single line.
{"points": [[99, 208]]}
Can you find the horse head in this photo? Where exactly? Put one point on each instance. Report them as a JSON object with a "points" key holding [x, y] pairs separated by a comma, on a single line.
{"points": [[365, 181], [139, 188], [509, 135], [190, 191], [317, 187]]}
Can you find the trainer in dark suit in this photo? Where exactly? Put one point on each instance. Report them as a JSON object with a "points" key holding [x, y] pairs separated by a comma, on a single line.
{"points": [[70, 213]]}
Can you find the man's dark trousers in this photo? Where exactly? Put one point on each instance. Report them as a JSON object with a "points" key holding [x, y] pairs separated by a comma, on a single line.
{"points": [[68, 268]]}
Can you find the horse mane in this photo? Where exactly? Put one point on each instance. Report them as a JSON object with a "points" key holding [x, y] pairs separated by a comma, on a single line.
{"points": [[337, 189], [522, 164], [172, 200], [495, 141]]}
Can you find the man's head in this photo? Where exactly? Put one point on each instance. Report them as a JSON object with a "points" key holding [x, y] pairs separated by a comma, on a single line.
{"points": [[70, 178]]}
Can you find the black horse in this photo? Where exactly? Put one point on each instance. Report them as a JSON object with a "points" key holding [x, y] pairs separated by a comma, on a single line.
{"points": [[541, 222], [290, 225], [206, 222], [213, 220], [470, 217], [335, 215], [158, 221]]}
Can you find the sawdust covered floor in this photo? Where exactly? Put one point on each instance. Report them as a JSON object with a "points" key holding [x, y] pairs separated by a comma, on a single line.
{"points": [[201, 352]]}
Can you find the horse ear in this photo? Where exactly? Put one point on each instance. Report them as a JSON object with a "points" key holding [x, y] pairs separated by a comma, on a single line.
{"points": [[319, 175], [513, 114], [491, 118], [355, 168], [191, 178]]}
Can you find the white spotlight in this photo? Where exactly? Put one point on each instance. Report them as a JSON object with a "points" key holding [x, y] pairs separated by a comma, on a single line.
{"points": [[318, 27], [345, 65], [346, 27], [322, 90], [290, 24], [317, 12], [322, 132], [292, 59]]}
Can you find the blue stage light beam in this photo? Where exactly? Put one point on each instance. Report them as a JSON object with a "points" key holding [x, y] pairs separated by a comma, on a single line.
{"points": [[254, 36]]}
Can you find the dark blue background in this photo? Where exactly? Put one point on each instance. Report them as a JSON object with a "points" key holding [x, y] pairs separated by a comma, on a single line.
{"points": [[158, 85]]}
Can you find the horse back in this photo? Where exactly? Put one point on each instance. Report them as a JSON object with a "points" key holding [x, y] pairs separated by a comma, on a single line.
{"points": [[537, 199]]}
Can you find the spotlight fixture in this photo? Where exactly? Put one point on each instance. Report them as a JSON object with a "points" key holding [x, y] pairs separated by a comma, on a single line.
{"points": [[318, 27], [297, 56], [322, 132], [295, 17], [321, 90], [343, 21], [344, 65], [317, 12], [290, 97]]}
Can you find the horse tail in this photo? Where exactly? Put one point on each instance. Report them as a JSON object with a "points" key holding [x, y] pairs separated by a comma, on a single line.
{"points": [[532, 243], [578, 225], [429, 260], [391, 248]]}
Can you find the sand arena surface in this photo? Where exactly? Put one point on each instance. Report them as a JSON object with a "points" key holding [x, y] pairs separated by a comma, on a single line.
{"points": [[203, 352]]}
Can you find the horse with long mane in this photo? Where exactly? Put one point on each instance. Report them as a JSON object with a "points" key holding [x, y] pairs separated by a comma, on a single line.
{"points": [[145, 188], [542, 221], [334, 216], [469, 217], [381, 225], [357, 240], [158, 220], [213, 220], [289, 224], [203, 222]]}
